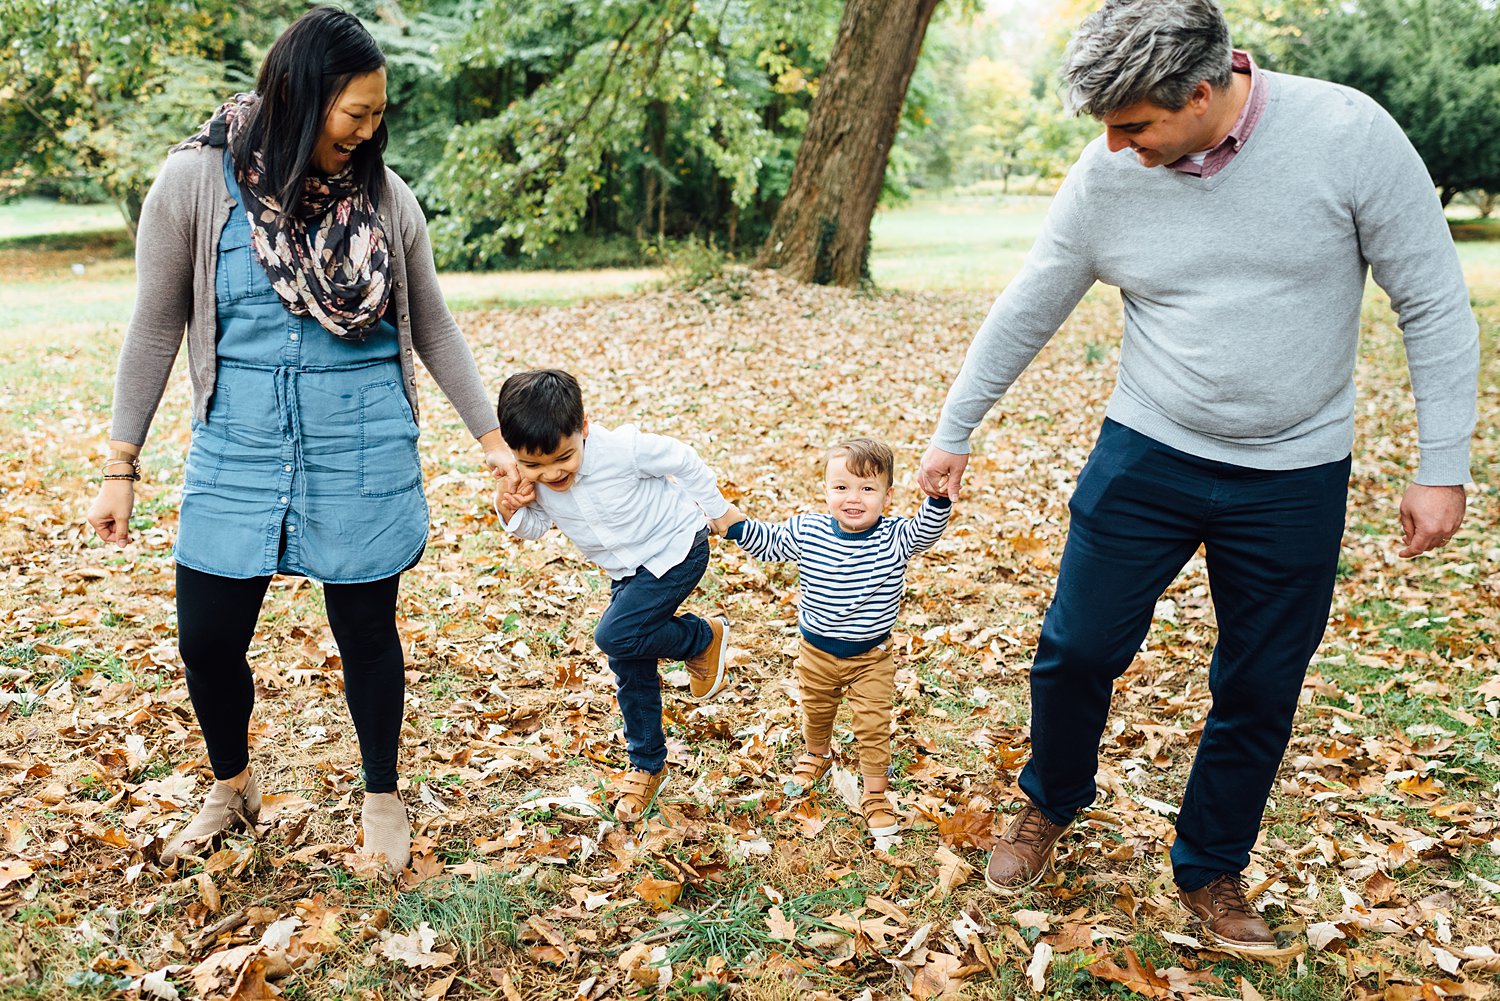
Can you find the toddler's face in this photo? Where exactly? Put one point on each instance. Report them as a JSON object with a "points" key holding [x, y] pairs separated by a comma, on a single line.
{"points": [[557, 469], [856, 502]]}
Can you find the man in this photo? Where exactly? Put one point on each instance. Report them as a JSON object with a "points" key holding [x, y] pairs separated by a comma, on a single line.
{"points": [[1237, 211]]}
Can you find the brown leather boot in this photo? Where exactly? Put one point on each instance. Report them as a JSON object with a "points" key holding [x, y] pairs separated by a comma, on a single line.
{"points": [[1024, 853], [1225, 914]]}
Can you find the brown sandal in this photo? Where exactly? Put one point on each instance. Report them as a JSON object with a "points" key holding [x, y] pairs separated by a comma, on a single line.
{"points": [[880, 816], [810, 768]]}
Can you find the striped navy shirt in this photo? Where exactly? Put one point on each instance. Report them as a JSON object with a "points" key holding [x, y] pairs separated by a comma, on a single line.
{"points": [[851, 582]]}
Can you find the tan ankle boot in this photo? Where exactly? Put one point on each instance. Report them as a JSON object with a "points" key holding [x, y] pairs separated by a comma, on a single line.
{"points": [[387, 831], [225, 809]]}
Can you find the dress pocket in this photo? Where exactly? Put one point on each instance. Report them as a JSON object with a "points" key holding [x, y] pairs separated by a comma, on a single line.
{"points": [[239, 274], [388, 459]]}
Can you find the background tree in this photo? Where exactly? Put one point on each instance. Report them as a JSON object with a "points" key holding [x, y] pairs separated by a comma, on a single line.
{"points": [[96, 90], [822, 228], [609, 113], [1433, 64]]}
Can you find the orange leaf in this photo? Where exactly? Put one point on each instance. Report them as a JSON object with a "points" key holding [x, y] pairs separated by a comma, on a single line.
{"points": [[659, 893]]}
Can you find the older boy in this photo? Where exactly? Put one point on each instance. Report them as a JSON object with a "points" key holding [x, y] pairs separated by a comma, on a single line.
{"points": [[852, 565], [634, 503]]}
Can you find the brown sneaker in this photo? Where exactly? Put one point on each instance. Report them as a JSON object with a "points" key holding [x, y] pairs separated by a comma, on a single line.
{"points": [[880, 817], [225, 809], [1227, 917], [1024, 853], [808, 770], [634, 792], [707, 671]]}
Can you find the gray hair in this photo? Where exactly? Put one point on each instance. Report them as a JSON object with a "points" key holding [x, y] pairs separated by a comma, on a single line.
{"points": [[1151, 50]]}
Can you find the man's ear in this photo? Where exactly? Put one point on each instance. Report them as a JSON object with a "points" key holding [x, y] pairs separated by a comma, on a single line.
{"points": [[585, 431], [1201, 96]]}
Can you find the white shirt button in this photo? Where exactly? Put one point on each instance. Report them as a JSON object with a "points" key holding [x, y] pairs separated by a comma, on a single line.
{"points": [[291, 528], [294, 335], [287, 468], [283, 500]]}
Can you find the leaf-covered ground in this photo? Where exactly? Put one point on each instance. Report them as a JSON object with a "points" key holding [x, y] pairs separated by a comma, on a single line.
{"points": [[1381, 853]]}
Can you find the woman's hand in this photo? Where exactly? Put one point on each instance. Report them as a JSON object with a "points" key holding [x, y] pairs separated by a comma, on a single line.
{"points": [[508, 502], [110, 513], [500, 462]]}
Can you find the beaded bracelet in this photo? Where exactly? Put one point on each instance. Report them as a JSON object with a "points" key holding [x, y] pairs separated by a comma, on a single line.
{"points": [[133, 475]]}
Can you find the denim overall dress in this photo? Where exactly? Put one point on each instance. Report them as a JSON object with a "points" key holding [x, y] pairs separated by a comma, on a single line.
{"points": [[307, 463]]}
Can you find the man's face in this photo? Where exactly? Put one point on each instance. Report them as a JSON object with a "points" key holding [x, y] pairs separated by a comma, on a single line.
{"points": [[1159, 135]]}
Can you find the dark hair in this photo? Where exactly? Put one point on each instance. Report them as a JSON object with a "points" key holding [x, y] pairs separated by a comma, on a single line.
{"points": [[864, 457], [306, 70], [538, 409]]}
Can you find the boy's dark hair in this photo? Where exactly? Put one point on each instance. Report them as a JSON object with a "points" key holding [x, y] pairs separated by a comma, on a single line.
{"points": [[305, 71], [864, 457], [538, 409]]}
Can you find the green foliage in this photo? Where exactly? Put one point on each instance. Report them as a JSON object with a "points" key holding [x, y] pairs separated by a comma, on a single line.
{"points": [[1433, 64], [98, 89], [603, 116]]}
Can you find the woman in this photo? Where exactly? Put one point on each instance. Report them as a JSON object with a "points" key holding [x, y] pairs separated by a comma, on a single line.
{"points": [[300, 269]]}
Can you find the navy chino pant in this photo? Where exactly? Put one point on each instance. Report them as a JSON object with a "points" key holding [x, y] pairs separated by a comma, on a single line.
{"points": [[1271, 540], [640, 627]]}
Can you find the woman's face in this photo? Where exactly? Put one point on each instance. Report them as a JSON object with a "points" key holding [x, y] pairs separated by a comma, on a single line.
{"points": [[352, 119]]}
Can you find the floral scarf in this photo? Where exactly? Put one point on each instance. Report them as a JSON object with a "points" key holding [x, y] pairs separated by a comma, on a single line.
{"points": [[330, 261]]}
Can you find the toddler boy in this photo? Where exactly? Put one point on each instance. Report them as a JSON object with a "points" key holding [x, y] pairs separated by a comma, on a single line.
{"points": [[852, 565], [633, 503]]}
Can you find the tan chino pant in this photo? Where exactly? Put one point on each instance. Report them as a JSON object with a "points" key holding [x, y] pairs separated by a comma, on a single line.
{"points": [[869, 681]]}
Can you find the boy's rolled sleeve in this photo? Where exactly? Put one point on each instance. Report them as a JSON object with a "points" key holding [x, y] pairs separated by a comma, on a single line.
{"points": [[526, 523], [659, 455]]}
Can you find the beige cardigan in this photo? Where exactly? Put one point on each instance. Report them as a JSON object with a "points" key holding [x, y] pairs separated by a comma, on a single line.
{"points": [[177, 252]]}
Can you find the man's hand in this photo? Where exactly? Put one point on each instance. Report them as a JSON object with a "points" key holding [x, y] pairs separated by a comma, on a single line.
{"points": [[720, 526], [508, 502], [1429, 517], [941, 472]]}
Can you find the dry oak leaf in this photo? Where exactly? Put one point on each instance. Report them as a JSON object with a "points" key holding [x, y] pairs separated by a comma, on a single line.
{"points": [[251, 985], [952, 870], [967, 828], [660, 894], [941, 977], [415, 950], [780, 926], [1134, 975]]}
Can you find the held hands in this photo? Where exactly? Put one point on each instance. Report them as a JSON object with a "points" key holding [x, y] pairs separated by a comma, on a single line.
{"points": [[509, 501], [720, 526], [110, 512], [1429, 517], [941, 472]]}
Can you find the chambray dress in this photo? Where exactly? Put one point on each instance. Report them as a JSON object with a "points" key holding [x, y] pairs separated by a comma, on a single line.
{"points": [[307, 463]]}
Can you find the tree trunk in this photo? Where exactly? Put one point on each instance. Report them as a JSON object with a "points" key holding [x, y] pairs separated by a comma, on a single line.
{"points": [[822, 229]]}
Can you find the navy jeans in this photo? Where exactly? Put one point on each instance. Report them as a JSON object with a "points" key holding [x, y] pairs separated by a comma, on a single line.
{"points": [[640, 627], [1271, 541]]}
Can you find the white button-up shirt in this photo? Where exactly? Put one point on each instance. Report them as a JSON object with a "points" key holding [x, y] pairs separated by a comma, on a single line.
{"points": [[637, 500]]}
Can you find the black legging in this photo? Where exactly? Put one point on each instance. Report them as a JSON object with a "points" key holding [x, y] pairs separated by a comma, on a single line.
{"points": [[215, 620]]}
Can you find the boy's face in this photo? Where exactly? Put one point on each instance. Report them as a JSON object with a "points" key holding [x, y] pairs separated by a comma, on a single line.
{"points": [[556, 469], [856, 502]]}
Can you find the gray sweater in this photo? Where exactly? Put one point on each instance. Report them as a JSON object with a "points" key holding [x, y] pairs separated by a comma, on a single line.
{"points": [[176, 257], [1242, 291]]}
